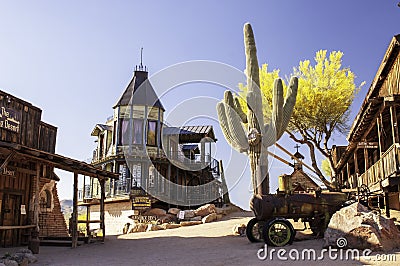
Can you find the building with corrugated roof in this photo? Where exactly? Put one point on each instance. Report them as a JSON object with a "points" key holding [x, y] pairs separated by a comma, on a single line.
{"points": [[163, 165]]}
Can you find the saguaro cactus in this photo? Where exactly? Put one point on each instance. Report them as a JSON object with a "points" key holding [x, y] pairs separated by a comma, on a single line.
{"points": [[248, 133]]}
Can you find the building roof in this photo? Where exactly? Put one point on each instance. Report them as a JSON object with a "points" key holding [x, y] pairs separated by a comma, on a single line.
{"points": [[100, 128], [372, 102], [56, 160], [142, 91], [191, 134], [190, 147], [305, 175]]}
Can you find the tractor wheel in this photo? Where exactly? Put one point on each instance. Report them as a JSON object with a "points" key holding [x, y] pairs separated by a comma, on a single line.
{"points": [[254, 230], [278, 232]]}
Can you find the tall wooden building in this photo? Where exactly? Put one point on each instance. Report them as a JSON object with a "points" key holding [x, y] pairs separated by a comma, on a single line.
{"points": [[372, 156], [29, 204], [153, 159]]}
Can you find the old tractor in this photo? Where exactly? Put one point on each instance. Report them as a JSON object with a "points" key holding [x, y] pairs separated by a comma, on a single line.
{"points": [[272, 211]]}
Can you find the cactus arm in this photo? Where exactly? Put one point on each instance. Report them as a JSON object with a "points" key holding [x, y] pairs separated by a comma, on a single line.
{"points": [[232, 127], [236, 129], [224, 123], [239, 110], [290, 102]]}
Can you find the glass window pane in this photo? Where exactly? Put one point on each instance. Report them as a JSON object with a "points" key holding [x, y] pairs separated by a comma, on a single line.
{"points": [[151, 133]]}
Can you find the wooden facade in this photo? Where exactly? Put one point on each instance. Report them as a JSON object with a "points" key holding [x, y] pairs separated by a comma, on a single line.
{"points": [[28, 193], [149, 155], [372, 156]]}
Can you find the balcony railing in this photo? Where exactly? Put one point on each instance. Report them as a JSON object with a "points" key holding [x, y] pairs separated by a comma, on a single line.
{"points": [[387, 166]]}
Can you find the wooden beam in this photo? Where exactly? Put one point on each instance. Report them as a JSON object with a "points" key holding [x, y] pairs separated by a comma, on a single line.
{"points": [[395, 130], [75, 212], [103, 196], [7, 160]]}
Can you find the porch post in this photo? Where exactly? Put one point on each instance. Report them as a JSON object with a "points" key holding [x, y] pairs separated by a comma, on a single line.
{"points": [[387, 209], [366, 166], [356, 165], [75, 213], [103, 195], [395, 132]]}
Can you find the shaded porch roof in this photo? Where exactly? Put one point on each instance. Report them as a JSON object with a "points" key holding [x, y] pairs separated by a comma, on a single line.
{"points": [[58, 161]]}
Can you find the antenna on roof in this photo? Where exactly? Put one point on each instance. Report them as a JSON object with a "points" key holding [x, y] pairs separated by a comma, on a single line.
{"points": [[140, 67]]}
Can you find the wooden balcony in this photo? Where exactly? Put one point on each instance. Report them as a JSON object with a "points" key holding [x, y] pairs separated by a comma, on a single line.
{"points": [[384, 172]]}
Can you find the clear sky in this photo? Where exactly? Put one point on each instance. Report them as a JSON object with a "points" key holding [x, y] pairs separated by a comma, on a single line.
{"points": [[73, 59]]}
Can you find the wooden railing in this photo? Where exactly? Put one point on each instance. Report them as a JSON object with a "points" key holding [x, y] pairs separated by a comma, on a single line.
{"points": [[387, 166]]}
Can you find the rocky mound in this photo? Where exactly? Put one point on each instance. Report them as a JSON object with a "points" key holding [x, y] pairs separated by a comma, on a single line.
{"points": [[357, 227]]}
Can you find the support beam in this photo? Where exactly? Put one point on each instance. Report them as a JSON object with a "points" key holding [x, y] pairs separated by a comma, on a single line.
{"points": [[225, 191], [366, 166], [393, 118], [7, 160], [387, 209], [75, 212], [103, 196]]}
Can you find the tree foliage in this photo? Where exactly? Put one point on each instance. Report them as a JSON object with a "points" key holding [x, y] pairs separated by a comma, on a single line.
{"points": [[326, 92]]}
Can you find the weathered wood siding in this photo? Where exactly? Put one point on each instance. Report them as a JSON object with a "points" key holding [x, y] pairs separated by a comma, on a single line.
{"points": [[47, 137], [391, 85]]}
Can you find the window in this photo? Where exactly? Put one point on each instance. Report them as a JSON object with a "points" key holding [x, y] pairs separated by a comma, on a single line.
{"points": [[138, 131], [137, 175], [152, 172], [123, 132], [152, 133]]}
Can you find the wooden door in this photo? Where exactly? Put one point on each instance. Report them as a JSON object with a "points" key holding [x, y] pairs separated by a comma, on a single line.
{"points": [[10, 215]]}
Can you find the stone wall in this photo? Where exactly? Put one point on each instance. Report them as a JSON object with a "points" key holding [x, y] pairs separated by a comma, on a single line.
{"points": [[116, 215]]}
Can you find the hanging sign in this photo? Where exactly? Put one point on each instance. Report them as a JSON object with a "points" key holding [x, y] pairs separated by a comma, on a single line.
{"points": [[141, 203], [23, 209], [10, 119], [367, 145]]}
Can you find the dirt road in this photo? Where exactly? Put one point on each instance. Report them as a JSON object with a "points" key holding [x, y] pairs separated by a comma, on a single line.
{"points": [[205, 244]]}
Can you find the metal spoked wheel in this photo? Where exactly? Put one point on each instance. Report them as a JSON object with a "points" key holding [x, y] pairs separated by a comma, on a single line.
{"points": [[254, 230], [278, 232], [363, 193]]}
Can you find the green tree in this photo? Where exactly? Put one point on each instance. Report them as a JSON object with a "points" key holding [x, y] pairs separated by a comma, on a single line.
{"points": [[325, 94]]}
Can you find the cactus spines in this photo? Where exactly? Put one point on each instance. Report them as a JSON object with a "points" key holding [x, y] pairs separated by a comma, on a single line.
{"points": [[259, 136]]}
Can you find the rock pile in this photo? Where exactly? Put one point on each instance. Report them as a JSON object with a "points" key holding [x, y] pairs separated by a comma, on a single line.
{"points": [[361, 229], [22, 257], [170, 219]]}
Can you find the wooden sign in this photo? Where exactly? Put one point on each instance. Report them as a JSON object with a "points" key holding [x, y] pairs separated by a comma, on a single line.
{"points": [[367, 145], [8, 171], [143, 218], [10, 119], [141, 203]]}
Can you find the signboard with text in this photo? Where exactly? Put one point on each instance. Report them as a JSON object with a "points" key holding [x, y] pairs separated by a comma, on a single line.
{"points": [[10, 119], [141, 203]]}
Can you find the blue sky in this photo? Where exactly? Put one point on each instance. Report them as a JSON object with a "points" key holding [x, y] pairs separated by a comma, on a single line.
{"points": [[73, 59]]}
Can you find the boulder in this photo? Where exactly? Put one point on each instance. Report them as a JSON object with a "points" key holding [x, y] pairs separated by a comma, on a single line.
{"points": [[168, 218], [239, 229], [190, 223], [219, 216], [154, 227], [205, 210], [221, 211], [139, 227], [170, 226], [196, 218], [174, 211], [156, 212], [8, 262], [209, 218], [357, 227], [189, 214]]}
